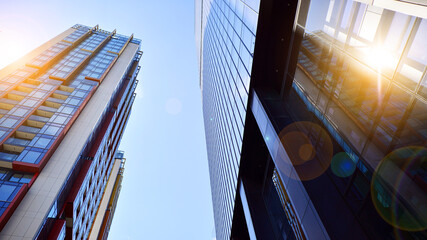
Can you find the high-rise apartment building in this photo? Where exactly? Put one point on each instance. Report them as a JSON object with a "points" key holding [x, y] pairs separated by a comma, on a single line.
{"points": [[315, 117], [107, 207], [63, 108]]}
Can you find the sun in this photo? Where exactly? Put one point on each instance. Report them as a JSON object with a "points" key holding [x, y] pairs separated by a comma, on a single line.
{"points": [[12, 47], [380, 58], [19, 34]]}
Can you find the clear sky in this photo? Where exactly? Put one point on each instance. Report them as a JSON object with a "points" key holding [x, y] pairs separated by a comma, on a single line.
{"points": [[166, 191]]}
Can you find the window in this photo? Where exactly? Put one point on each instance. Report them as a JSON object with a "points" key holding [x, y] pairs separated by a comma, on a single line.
{"points": [[7, 192]]}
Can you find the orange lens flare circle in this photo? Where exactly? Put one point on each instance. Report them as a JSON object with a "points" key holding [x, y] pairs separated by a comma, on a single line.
{"points": [[309, 148], [398, 188]]}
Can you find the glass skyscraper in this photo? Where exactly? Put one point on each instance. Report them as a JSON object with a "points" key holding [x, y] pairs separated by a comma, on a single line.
{"points": [[228, 37], [315, 117], [63, 112]]}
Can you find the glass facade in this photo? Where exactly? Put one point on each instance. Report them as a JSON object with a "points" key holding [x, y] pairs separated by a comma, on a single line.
{"points": [[365, 75], [108, 205], [10, 184], [358, 74], [38, 104], [228, 44], [43, 107], [340, 131]]}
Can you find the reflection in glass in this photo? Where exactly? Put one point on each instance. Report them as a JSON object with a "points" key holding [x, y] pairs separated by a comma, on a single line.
{"points": [[362, 71]]}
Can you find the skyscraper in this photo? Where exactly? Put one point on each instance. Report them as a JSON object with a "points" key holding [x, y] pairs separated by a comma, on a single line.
{"points": [[63, 110], [107, 207], [315, 118]]}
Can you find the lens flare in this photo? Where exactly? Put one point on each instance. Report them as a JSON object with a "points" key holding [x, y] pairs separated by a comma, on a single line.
{"points": [[306, 152], [19, 34], [380, 57], [398, 188], [173, 106], [342, 165], [308, 147]]}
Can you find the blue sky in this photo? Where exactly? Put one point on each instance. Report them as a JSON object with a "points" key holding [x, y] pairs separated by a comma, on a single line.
{"points": [[166, 192]]}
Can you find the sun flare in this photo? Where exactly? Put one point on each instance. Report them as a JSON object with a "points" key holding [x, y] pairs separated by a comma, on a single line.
{"points": [[380, 58], [11, 48]]}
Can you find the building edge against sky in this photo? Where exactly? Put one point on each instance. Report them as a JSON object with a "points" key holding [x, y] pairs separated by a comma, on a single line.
{"points": [[64, 107], [104, 216], [314, 116]]}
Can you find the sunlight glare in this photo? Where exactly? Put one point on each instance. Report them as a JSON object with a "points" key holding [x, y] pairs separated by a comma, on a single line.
{"points": [[12, 47], [19, 34], [380, 58]]}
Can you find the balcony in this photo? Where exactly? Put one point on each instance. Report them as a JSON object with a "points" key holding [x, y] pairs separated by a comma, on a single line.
{"points": [[15, 145], [26, 132], [36, 121]]}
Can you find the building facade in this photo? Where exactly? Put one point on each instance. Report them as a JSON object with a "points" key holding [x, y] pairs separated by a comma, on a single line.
{"points": [[315, 118], [107, 207], [63, 109]]}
